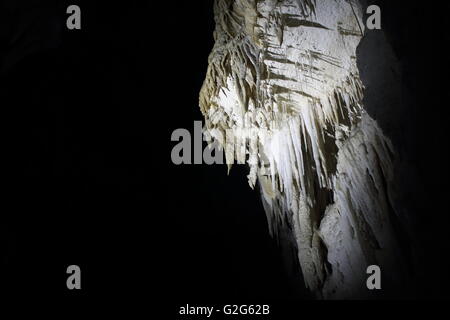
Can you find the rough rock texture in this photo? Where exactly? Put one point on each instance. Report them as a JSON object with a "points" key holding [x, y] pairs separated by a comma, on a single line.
{"points": [[283, 94]]}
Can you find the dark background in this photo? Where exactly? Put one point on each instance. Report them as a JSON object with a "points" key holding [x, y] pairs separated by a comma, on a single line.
{"points": [[86, 123]]}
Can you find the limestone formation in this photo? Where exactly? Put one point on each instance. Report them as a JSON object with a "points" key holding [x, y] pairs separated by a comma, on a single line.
{"points": [[283, 94]]}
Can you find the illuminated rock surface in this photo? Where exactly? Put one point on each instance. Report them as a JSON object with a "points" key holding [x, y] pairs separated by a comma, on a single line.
{"points": [[283, 94]]}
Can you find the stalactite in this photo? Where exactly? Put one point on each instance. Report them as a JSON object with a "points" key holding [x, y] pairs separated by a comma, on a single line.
{"points": [[283, 94]]}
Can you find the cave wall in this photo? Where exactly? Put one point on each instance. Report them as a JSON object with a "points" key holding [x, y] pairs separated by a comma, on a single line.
{"points": [[283, 93]]}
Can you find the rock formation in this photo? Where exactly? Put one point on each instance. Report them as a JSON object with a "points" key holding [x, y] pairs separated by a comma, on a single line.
{"points": [[283, 94]]}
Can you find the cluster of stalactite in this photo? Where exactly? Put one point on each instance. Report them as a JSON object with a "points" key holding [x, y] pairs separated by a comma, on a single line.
{"points": [[283, 94]]}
